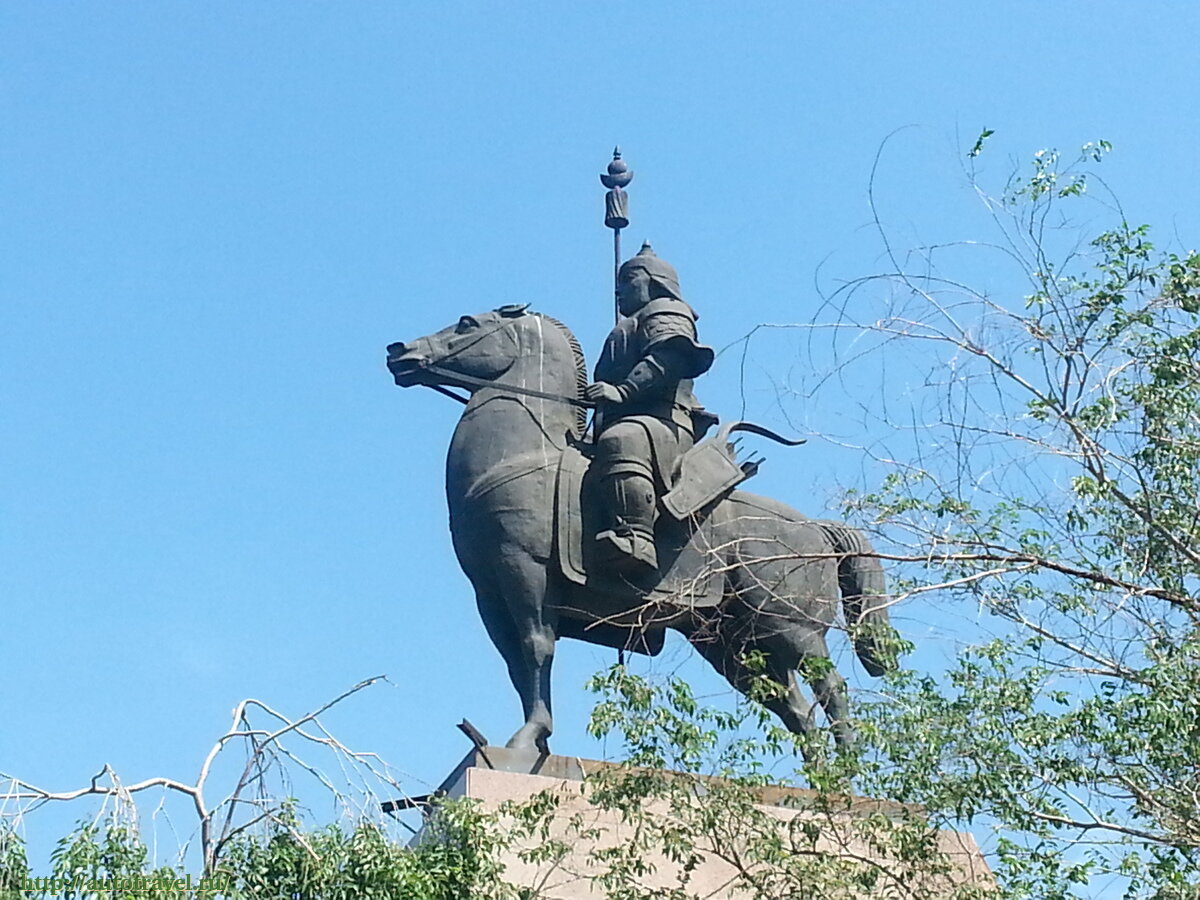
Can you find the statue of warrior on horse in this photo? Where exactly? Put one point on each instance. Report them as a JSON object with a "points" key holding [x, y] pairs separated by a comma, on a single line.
{"points": [[615, 538]]}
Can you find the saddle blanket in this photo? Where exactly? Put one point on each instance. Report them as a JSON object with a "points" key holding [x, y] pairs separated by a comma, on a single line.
{"points": [[689, 573]]}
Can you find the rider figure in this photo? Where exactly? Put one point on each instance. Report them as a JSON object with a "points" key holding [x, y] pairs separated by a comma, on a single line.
{"points": [[646, 412]]}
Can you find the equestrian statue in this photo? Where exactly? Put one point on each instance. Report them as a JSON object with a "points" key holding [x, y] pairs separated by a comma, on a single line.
{"points": [[614, 532]]}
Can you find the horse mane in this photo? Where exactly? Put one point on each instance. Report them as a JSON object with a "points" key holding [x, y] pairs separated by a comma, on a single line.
{"points": [[581, 369]]}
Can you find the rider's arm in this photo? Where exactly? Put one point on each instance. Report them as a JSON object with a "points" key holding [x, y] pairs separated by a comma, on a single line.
{"points": [[672, 353], [657, 370]]}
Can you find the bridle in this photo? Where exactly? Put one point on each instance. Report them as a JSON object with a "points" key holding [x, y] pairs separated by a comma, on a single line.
{"points": [[470, 381]]}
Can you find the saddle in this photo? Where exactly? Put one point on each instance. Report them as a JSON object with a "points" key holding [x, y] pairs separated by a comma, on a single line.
{"points": [[632, 612]]}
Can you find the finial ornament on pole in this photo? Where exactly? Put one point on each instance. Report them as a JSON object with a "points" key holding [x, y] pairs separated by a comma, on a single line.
{"points": [[616, 210]]}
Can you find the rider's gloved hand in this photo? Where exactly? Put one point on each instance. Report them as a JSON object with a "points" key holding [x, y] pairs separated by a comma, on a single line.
{"points": [[603, 392]]}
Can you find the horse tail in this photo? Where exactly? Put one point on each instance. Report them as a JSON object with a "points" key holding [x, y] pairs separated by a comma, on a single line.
{"points": [[864, 597]]}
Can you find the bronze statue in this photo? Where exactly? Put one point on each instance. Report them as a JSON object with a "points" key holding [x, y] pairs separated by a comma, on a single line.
{"points": [[536, 531], [616, 538]]}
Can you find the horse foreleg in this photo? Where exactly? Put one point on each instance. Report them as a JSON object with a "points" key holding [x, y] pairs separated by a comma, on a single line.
{"points": [[512, 608]]}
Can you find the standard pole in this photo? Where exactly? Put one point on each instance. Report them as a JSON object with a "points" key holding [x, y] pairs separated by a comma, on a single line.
{"points": [[616, 275], [616, 217]]}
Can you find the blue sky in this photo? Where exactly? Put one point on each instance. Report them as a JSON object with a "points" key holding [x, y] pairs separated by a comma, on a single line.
{"points": [[217, 215]]}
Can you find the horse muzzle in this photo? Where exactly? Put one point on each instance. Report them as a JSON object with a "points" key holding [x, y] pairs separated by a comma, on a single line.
{"points": [[406, 365]]}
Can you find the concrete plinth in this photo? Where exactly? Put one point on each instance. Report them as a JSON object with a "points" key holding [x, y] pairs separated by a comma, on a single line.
{"points": [[494, 776]]}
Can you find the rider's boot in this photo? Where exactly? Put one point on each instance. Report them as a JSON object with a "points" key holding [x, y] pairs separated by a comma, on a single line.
{"points": [[628, 545]]}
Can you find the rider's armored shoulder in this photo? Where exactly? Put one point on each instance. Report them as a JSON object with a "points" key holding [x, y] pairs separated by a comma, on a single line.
{"points": [[668, 306], [663, 318], [672, 323]]}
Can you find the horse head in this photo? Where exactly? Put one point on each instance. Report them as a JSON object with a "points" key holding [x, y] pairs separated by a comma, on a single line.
{"points": [[481, 347]]}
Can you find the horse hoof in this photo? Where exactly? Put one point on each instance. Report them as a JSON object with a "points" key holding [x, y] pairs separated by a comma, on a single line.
{"points": [[529, 739]]}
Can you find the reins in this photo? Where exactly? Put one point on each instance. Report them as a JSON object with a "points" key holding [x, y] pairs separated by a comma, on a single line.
{"points": [[472, 382]]}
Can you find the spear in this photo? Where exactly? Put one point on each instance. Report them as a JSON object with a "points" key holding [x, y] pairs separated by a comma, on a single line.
{"points": [[616, 213]]}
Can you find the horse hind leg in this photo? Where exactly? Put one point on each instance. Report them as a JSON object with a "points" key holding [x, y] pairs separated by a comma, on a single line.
{"points": [[792, 645], [784, 604], [729, 657], [828, 686], [798, 649]]}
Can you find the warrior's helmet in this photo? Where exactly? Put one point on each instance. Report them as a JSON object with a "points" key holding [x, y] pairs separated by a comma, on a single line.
{"points": [[662, 273]]}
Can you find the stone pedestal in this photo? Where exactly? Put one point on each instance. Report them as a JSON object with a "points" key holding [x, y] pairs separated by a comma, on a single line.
{"points": [[494, 775]]}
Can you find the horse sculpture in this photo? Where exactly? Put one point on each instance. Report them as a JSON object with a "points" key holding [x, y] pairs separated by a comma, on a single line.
{"points": [[777, 575]]}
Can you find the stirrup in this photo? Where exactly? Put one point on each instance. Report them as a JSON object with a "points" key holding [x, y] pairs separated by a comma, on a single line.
{"points": [[626, 550]]}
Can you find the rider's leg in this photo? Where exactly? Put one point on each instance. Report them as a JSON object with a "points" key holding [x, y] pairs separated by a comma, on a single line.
{"points": [[625, 480]]}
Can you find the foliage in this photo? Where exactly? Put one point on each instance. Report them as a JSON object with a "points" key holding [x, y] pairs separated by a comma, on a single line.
{"points": [[14, 866], [456, 858], [710, 784], [253, 841], [705, 786], [85, 864], [1056, 485]]}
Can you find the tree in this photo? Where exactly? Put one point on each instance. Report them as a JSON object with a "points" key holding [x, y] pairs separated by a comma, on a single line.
{"points": [[693, 790], [254, 842], [1053, 481]]}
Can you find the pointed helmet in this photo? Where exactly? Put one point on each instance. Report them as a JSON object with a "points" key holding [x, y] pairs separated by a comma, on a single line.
{"points": [[661, 272]]}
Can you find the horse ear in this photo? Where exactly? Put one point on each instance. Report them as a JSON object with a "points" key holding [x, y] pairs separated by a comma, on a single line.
{"points": [[512, 310]]}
